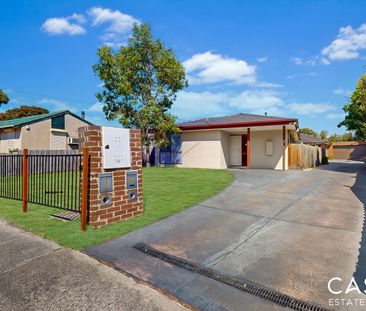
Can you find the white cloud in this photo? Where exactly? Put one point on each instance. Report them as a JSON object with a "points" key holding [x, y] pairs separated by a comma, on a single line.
{"points": [[97, 107], [311, 61], [80, 18], [193, 105], [120, 24], [302, 61], [70, 25], [56, 105], [342, 91], [309, 108], [211, 68], [334, 116], [263, 59], [298, 75], [267, 84], [257, 102], [347, 44]]}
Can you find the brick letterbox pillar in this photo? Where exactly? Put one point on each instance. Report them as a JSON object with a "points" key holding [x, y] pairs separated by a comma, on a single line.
{"points": [[122, 205]]}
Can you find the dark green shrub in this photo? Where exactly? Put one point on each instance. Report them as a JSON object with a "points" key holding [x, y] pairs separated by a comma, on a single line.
{"points": [[325, 160]]}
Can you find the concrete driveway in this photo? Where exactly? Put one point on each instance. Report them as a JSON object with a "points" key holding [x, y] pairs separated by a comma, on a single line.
{"points": [[291, 231]]}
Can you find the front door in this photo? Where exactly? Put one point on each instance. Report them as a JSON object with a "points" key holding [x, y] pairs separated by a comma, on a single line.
{"points": [[236, 150]]}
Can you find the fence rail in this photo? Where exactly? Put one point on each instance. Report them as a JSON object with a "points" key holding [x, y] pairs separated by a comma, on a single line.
{"points": [[301, 156]]}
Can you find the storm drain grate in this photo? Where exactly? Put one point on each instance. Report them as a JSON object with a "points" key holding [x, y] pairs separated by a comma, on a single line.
{"points": [[243, 285]]}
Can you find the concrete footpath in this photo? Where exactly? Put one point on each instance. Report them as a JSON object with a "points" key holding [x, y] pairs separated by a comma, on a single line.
{"points": [[37, 274]]}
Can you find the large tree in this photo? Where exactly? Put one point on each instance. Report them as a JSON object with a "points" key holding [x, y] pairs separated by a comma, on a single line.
{"points": [[22, 111], [355, 119], [4, 99], [140, 83], [338, 137], [308, 131], [323, 134]]}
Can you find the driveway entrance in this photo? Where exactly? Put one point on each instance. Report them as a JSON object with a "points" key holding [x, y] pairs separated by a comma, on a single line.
{"points": [[291, 231]]}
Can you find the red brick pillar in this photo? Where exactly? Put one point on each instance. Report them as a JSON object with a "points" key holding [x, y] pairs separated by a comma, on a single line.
{"points": [[121, 207]]}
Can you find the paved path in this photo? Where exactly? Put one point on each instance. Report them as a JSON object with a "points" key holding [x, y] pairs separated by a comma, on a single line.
{"points": [[291, 231], [36, 274]]}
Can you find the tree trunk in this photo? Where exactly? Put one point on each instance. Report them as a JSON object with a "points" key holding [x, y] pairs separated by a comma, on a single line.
{"points": [[148, 164]]}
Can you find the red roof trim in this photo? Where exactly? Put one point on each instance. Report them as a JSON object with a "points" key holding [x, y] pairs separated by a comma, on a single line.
{"points": [[239, 124]]}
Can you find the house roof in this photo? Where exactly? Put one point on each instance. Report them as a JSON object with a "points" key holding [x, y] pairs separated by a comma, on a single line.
{"points": [[236, 120], [309, 139], [33, 119]]}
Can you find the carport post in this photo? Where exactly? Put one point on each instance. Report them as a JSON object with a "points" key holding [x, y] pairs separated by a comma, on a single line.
{"points": [[248, 147], [25, 180], [283, 147]]}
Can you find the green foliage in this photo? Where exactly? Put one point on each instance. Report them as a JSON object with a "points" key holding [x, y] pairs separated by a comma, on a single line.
{"points": [[338, 137], [23, 111], [323, 134], [325, 160], [308, 131], [355, 120], [4, 99], [167, 191], [141, 81]]}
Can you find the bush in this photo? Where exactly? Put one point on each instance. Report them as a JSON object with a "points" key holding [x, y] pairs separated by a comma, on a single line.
{"points": [[325, 160]]}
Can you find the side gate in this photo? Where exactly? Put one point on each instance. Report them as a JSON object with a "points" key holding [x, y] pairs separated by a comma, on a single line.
{"points": [[48, 178]]}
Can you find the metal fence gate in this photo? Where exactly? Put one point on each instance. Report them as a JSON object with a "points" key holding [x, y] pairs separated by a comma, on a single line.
{"points": [[56, 179]]}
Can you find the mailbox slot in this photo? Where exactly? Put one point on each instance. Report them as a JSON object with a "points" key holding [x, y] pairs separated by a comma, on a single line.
{"points": [[131, 179], [105, 182]]}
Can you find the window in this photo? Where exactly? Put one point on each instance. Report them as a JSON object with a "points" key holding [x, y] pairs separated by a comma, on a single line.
{"points": [[58, 122]]}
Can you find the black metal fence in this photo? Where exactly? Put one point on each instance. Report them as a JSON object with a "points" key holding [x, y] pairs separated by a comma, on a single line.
{"points": [[11, 167], [53, 178]]}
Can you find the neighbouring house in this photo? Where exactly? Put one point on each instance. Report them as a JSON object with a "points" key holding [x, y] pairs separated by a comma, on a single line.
{"points": [[315, 141], [240, 140], [51, 131]]}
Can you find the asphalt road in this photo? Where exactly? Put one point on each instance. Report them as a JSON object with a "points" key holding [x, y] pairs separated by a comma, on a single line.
{"points": [[290, 231]]}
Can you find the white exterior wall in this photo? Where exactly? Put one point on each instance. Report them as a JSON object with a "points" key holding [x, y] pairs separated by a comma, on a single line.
{"points": [[202, 149], [211, 149], [258, 158], [36, 136], [225, 149], [9, 139]]}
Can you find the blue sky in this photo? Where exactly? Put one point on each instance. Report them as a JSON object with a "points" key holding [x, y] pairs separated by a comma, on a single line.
{"points": [[287, 58]]}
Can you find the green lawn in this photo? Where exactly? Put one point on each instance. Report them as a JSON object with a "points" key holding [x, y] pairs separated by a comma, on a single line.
{"points": [[167, 191]]}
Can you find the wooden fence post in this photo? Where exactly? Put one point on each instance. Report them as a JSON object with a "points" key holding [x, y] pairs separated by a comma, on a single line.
{"points": [[84, 189], [25, 180]]}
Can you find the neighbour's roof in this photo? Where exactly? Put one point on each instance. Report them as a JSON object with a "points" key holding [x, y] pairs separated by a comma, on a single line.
{"points": [[236, 120], [309, 139], [32, 119]]}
